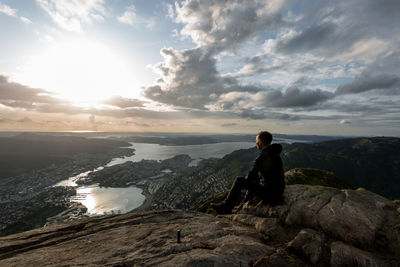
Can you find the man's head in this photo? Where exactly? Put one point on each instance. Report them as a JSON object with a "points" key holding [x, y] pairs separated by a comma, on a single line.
{"points": [[263, 139]]}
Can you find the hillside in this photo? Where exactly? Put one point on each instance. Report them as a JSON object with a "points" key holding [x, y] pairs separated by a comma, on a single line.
{"points": [[29, 151], [371, 163], [207, 180]]}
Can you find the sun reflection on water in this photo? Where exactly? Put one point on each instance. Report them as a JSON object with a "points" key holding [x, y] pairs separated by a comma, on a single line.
{"points": [[103, 200]]}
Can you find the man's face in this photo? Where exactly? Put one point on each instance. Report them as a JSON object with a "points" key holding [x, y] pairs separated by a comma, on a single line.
{"points": [[258, 143]]}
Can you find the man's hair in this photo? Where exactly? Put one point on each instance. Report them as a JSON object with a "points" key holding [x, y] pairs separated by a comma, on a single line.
{"points": [[265, 137]]}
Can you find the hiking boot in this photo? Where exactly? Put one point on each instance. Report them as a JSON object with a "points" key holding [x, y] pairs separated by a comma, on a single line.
{"points": [[220, 208]]}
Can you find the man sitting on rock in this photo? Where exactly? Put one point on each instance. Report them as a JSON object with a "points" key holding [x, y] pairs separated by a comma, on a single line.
{"points": [[265, 179]]}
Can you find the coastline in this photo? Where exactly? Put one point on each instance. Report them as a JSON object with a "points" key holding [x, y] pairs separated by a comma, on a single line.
{"points": [[148, 200]]}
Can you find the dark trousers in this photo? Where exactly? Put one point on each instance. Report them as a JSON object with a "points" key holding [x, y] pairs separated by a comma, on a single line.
{"points": [[252, 187]]}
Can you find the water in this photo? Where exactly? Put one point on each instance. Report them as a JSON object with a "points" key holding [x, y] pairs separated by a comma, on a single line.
{"points": [[196, 152], [107, 200], [72, 180]]}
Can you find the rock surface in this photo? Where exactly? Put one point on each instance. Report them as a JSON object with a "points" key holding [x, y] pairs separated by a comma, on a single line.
{"points": [[144, 239], [314, 226], [337, 227], [309, 243]]}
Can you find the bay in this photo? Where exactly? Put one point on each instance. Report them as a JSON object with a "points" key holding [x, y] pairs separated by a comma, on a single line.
{"points": [[196, 152]]}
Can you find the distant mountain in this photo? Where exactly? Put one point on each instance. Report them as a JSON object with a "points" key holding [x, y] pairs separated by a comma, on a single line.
{"points": [[29, 151], [176, 139], [371, 163]]}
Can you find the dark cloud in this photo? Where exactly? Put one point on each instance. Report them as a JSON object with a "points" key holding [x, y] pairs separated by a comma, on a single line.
{"points": [[229, 124], [252, 115], [316, 36], [329, 29], [122, 102], [366, 82], [19, 96], [303, 81], [294, 97], [287, 117], [17, 104], [265, 114], [189, 78]]}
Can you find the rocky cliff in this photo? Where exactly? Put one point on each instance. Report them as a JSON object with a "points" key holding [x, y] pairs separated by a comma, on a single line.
{"points": [[315, 225]]}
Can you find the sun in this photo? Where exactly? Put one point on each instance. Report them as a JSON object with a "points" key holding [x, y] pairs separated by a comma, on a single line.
{"points": [[81, 71]]}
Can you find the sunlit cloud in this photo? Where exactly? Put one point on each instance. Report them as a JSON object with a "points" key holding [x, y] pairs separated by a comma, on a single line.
{"points": [[70, 15], [131, 17], [9, 11]]}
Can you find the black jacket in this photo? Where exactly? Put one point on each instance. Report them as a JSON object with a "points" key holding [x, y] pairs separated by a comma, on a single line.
{"points": [[268, 170]]}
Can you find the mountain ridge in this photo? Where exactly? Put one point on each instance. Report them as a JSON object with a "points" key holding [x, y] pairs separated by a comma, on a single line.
{"points": [[371, 163]]}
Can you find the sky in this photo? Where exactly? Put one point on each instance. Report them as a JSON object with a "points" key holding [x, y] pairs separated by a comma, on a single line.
{"points": [[211, 66]]}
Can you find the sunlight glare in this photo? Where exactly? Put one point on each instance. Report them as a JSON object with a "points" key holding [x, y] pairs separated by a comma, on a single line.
{"points": [[81, 71]]}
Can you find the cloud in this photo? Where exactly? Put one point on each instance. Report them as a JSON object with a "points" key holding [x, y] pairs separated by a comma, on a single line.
{"points": [[229, 124], [122, 102], [8, 10], [70, 15], [14, 95], [315, 36], [25, 20], [12, 12], [367, 82], [223, 25], [92, 119], [331, 30], [19, 96], [345, 122], [294, 97], [189, 78], [291, 98], [262, 114], [131, 17]]}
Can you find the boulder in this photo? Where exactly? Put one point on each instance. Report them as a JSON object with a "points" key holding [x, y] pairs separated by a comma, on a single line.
{"points": [[346, 255], [309, 243], [304, 203], [354, 216], [358, 218]]}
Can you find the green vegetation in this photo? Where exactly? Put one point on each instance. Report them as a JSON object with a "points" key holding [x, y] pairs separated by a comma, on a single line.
{"points": [[313, 176], [204, 206]]}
